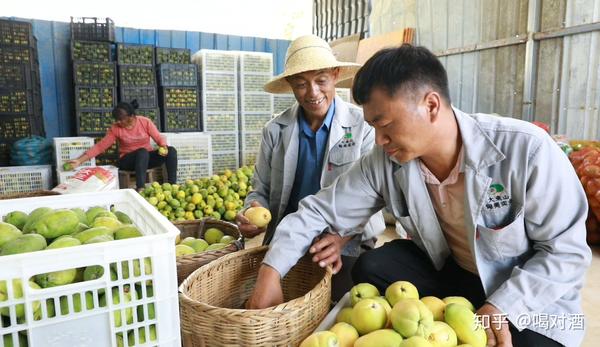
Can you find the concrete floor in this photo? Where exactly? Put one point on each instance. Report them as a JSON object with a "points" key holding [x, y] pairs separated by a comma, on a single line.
{"points": [[591, 291]]}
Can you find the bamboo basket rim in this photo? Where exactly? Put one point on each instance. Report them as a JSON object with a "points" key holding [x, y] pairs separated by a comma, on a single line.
{"points": [[283, 307], [32, 194]]}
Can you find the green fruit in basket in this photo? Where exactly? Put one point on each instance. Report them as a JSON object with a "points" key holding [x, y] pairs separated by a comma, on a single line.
{"points": [[465, 324], [16, 218], [181, 250], [227, 239], [24, 244], [34, 216], [126, 232], [120, 342], [380, 338], [64, 303], [17, 293], [8, 340], [229, 215], [80, 214], [57, 223], [106, 214], [91, 233], [216, 247], [81, 227], [368, 315], [99, 239], [110, 223], [142, 336], [92, 212], [56, 278], [198, 245], [411, 317], [123, 217], [63, 242], [67, 167], [345, 315], [415, 341], [116, 299], [442, 335], [362, 291], [8, 232], [93, 272], [321, 339], [213, 235], [346, 334], [136, 268]]}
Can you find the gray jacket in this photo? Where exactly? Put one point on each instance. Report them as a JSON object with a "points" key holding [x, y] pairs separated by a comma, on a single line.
{"points": [[275, 167], [525, 220]]}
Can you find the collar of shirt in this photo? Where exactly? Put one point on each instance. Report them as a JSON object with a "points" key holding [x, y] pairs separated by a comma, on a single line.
{"points": [[451, 179], [326, 123]]}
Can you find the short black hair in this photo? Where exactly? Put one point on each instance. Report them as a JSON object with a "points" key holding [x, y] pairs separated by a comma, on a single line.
{"points": [[405, 66], [127, 107]]}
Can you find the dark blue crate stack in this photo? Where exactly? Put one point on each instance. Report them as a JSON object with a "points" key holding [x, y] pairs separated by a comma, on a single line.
{"points": [[20, 92], [94, 78], [179, 97]]}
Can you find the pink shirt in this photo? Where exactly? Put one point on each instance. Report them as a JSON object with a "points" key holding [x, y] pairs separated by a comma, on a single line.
{"points": [[129, 139], [448, 199]]}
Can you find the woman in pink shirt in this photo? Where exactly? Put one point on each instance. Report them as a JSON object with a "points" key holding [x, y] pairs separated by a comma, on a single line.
{"points": [[135, 153]]}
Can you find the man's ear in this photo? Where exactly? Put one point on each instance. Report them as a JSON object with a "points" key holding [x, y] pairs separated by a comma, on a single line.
{"points": [[433, 103], [336, 74]]}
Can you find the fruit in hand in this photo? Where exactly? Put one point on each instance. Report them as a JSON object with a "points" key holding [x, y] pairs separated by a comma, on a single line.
{"points": [[163, 151], [258, 216], [67, 166]]}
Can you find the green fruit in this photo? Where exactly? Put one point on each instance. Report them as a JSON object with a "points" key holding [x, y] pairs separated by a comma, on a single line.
{"points": [[198, 245], [17, 293], [136, 267], [411, 317], [227, 239], [116, 299], [215, 247], [93, 272], [379, 338], [33, 217], [150, 313], [415, 341], [213, 235], [64, 303], [142, 336], [81, 227], [92, 232], [126, 232], [67, 167], [24, 244], [8, 232], [183, 250], [368, 315], [465, 324], [54, 224], [63, 242], [21, 340], [345, 315], [99, 239], [123, 217], [16, 218], [56, 278], [80, 214], [106, 214], [92, 212], [110, 223], [321, 339], [442, 335], [459, 300]]}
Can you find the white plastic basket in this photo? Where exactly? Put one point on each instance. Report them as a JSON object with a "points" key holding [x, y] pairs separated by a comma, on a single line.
{"points": [[225, 160], [250, 141], [224, 142], [215, 60], [329, 320], [193, 170], [254, 121], [248, 158], [65, 175], [343, 93], [282, 102], [256, 62], [220, 121], [24, 179], [96, 326], [69, 148], [190, 146], [253, 82], [256, 102]]}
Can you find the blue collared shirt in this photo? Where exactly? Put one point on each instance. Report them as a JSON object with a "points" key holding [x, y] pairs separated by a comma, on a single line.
{"points": [[311, 151]]}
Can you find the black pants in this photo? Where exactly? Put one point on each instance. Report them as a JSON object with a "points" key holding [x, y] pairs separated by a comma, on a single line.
{"points": [[402, 260], [141, 160]]}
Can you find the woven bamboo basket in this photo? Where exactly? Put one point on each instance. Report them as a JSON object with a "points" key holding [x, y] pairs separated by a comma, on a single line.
{"points": [[188, 263], [211, 302], [28, 194]]}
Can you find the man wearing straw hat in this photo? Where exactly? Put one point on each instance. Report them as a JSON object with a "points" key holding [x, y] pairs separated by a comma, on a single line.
{"points": [[493, 207], [307, 147]]}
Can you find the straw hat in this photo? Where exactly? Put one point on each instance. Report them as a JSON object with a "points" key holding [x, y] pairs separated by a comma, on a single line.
{"points": [[308, 53]]}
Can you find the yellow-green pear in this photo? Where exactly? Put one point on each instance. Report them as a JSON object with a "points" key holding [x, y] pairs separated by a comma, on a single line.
{"points": [[415, 341], [464, 322], [362, 291], [127, 232], [459, 300], [199, 245], [110, 223], [388, 309], [258, 216], [63, 242], [345, 315], [183, 250], [56, 278], [368, 315], [17, 293], [24, 244], [436, 306], [380, 338], [410, 317], [215, 247], [442, 335], [213, 235], [321, 339], [85, 235], [346, 334], [8, 232], [400, 290], [16, 218]]}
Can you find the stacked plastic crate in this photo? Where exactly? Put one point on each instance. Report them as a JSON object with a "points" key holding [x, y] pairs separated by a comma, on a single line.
{"points": [[194, 154], [219, 90], [179, 98], [282, 102], [256, 106], [20, 94]]}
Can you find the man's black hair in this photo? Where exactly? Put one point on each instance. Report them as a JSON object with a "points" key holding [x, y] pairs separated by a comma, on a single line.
{"points": [[125, 107], [407, 67]]}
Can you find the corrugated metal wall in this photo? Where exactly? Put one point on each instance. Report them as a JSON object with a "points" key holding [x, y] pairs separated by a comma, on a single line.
{"points": [[54, 40], [566, 74]]}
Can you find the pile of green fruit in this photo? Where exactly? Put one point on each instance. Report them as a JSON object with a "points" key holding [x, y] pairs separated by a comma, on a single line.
{"points": [[135, 54], [218, 196], [95, 97], [91, 51], [182, 119], [214, 239], [136, 76], [401, 319], [180, 97], [95, 74]]}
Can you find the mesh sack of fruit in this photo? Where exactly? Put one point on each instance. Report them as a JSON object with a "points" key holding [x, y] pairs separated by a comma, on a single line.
{"points": [[587, 166]]}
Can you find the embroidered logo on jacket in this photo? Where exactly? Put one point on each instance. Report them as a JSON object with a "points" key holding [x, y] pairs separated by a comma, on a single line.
{"points": [[497, 197]]}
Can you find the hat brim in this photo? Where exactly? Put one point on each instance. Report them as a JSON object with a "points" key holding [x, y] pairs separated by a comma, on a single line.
{"points": [[279, 84]]}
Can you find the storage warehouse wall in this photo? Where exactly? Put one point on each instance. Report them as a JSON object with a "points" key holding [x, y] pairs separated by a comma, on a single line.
{"points": [[54, 39], [483, 45]]}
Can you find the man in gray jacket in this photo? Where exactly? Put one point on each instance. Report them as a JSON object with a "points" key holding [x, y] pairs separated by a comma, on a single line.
{"points": [[493, 208], [307, 147]]}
